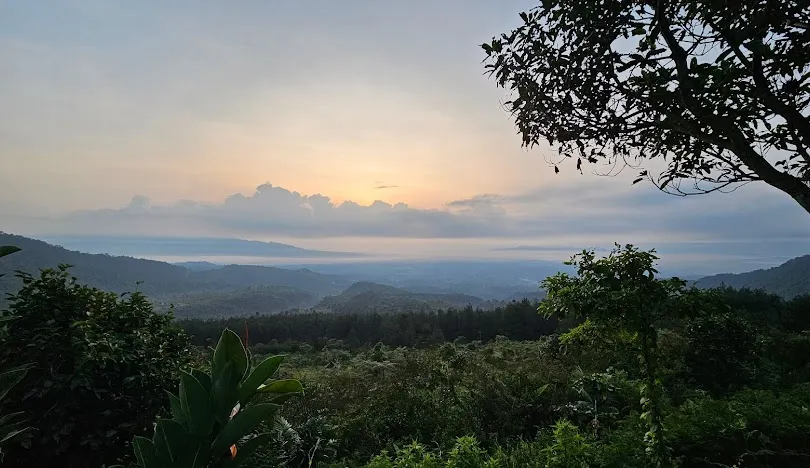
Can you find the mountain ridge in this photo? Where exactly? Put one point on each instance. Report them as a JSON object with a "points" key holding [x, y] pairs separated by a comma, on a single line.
{"points": [[188, 247], [160, 281], [788, 280]]}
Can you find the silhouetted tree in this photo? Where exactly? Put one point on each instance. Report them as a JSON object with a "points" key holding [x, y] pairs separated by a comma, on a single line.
{"points": [[715, 92]]}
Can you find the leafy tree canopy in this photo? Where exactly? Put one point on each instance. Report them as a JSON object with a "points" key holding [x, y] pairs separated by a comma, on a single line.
{"points": [[714, 93], [99, 367]]}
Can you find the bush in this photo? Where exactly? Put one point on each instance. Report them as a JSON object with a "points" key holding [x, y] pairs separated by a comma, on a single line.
{"points": [[722, 352], [99, 367]]}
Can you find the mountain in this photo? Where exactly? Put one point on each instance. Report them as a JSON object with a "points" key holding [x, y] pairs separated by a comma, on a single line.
{"points": [[199, 266], [533, 296], [260, 300], [367, 297], [188, 247], [487, 279], [160, 281], [788, 280]]}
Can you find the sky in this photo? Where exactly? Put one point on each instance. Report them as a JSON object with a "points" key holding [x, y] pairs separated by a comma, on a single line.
{"points": [[352, 125]]}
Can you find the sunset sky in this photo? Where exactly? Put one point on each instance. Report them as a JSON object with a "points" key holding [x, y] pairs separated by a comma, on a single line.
{"points": [[325, 124]]}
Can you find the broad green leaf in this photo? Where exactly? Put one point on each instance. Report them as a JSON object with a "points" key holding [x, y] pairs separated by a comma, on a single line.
{"points": [[195, 454], [171, 439], [146, 453], [204, 379], [282, 386], [196, 403], [8, 250], [244, 451], [199, 455], [178, 413], [224, 394], [230, 349], [260, 375], [241, 425]]}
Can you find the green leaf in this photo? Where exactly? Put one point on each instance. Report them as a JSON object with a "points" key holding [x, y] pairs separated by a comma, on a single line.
{"points": [[230, 349], [241, 425], [178, 413], [8, 250], [260, 375], [244, 451], [203, 378], [224, 394], [282, 386], [196, 403], [171, 439], [199, 456], [146, 453]]}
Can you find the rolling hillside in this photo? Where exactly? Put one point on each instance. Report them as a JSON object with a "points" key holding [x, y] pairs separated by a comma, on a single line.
{"points": [[788, 280], [258, 300], [159, 280], [366, 297]]}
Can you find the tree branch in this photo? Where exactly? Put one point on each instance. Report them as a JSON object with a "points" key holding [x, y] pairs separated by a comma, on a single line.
{"points": [[737, 142]]}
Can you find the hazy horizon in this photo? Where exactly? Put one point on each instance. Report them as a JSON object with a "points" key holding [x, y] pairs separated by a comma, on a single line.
{"points": [[354, 126]]}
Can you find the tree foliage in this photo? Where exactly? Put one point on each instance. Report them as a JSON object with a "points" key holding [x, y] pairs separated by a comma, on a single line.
{"points": [[716, 93], [621, 292], [515, 320], [100, 365]]}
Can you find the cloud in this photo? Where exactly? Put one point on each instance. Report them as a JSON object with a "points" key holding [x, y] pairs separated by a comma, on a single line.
{"points": [[584, 216], [273, 210], [383, 187], [754, 227]]}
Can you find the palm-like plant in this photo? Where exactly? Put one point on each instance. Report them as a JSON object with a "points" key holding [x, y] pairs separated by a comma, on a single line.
{"points": [[213, 416]]}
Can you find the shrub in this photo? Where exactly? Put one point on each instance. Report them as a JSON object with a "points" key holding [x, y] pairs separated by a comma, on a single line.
{"points": [[99, 367]]}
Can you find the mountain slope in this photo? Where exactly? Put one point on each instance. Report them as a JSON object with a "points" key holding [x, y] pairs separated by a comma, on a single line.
{"points": [[261, 300], [788, 280], [366, 297], [159, 280], [188, 247]]}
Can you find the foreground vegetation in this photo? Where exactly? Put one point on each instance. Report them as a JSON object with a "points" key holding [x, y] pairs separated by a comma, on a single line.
{"points": [[628, 370]]}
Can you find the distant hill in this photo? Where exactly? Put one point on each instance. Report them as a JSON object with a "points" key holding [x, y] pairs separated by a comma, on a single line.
{"points": [[159, 280], [188, 247], [199, 266], [531, 296], [367, 297], [260, 300], [488, 279], [788, 280]]}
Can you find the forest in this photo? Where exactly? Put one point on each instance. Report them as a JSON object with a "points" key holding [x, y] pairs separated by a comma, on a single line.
{"points": [[615, 368]]}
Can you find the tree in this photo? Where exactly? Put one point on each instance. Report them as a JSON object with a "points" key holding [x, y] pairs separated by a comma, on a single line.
{"points": [[12, 425], [100, 364], [716, 93], [620, 292]]}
